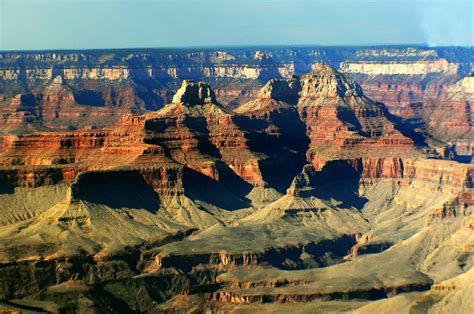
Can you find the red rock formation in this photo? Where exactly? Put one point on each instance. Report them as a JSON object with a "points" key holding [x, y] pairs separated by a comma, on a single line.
{"points": [[450, 116], [443, 107], [98, 87], [268, 133], [197, 131], [194, 131], [343, 123]]}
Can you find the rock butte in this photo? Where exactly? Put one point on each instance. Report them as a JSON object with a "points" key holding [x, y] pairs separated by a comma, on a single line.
{"points": [[309, 194]]}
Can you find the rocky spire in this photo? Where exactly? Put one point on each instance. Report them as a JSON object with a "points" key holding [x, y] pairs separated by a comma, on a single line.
{"points": [[322, 81], [193, 93], [326, 81]]}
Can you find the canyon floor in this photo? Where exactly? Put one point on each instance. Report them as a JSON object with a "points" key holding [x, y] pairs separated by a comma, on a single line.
{"points": [[310, 197]]}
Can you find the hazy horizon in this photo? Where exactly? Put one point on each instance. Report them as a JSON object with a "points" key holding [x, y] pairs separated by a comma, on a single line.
{"points": [[119, 24], [226, 47]]}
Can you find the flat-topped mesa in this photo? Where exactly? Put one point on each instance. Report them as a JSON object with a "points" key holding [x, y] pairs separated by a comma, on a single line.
{"points": [[326, 81], [193, 93]]}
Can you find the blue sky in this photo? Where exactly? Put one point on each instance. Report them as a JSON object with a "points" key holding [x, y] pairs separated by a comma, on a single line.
{"points": [[73, 24]]}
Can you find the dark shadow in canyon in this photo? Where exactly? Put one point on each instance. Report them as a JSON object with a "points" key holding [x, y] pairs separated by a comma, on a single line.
{"points": [[408, 128], [145, 90], [200, 127], [232, 181], [6, 187], [317, 254], [283, 140], [89, 98], [338, 181], [348, 117], [199, 187], [116, 189], [147, 84]]}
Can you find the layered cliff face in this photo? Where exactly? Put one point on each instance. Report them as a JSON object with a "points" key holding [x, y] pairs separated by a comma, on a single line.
{"points": [[107, 84], [343, 123], [59, 106], [422, 92], [310, 193], [449, 118]]}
